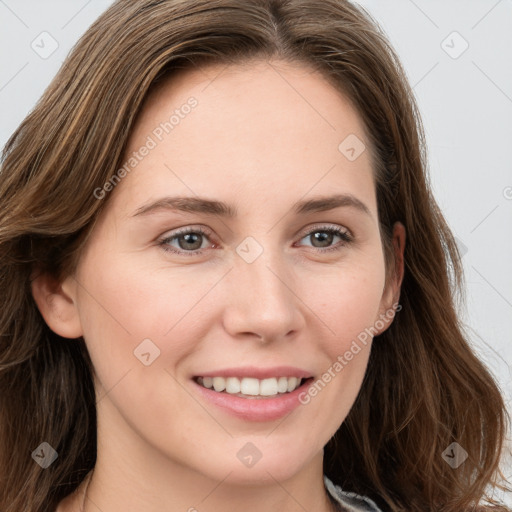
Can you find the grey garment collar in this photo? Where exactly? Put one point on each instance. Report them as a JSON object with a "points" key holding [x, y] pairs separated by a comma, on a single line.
{"points": [[351, 501]]}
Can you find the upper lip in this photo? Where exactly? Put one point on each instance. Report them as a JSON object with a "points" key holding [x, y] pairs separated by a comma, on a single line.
{"points": [[258, 372]]}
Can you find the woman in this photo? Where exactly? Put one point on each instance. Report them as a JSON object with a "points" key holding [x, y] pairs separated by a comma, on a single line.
{"points": [[227, 283]]}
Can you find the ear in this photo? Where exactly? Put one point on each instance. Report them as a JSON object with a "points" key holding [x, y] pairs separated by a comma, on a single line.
{"points": [[391, 295], [56, 302]]}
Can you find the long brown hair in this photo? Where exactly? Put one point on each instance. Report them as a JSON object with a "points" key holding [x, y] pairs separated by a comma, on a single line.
{"points": [[424, 387]]}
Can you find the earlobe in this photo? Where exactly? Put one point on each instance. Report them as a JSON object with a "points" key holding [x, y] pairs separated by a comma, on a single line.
{"points": [[57, 304], [399, 247]]}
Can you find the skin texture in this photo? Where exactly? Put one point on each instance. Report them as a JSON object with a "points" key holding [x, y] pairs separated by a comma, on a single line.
{"points": [[260, 145]]}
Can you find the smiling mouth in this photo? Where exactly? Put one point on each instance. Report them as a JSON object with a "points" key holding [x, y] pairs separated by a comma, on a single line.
{"points": [[249, 387]]}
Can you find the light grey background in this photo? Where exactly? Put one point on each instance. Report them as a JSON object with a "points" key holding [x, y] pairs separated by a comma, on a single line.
{"points": [[464, 94]]}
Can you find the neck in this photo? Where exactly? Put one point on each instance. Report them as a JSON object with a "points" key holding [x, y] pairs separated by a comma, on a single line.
{"points": [[108, 491]]}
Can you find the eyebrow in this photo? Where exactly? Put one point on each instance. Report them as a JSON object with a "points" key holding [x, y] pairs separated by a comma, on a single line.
{"points": [[208, 206]]}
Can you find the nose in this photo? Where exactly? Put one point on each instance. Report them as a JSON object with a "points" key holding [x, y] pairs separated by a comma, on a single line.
{"points": [[261, 300]]}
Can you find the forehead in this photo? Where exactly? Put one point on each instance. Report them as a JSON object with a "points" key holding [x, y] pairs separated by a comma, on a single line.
{"points": [[279, 91], [258, 126]]}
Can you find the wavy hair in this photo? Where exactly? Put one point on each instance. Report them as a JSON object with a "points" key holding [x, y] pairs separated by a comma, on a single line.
{"points": [[424, 387]]}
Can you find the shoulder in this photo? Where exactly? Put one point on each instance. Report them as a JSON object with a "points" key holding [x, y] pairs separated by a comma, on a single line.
{"points": [[351, 501]]}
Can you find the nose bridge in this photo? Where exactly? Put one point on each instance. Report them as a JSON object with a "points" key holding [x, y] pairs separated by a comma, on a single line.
{"points": [[262, 301], [264, 279]]}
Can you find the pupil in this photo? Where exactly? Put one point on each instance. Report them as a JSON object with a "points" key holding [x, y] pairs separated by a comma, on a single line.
{"points": [[323, 237], [192, 240]]}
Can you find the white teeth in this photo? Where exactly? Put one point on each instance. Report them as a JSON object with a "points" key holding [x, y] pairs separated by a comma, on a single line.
{"points": [[232, 385], [282, 385], [219, 383], [268, 387], [251, 386], [292, 383]]}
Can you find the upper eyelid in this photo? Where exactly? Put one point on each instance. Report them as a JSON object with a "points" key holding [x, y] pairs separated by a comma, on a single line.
{"points": [[185, 230], [303, 232], [327, 227]]}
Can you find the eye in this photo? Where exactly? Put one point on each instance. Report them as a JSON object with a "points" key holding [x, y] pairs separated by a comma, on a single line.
{"points": [[189, 241], [323, 237], [192, 241]]}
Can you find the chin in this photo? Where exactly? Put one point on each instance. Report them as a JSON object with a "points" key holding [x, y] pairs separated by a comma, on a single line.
{"points": [[259, 461]]}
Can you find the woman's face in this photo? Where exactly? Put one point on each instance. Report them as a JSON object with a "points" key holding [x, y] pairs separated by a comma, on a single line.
{"points": [[243, 242]]}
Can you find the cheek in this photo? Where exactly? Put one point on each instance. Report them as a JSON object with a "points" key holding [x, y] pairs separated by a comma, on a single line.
{"points": [[348, 301], [347, 306], [123, 305]]}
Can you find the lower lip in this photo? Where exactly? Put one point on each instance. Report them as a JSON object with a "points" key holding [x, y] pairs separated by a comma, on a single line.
{"points": [[255, 409]]}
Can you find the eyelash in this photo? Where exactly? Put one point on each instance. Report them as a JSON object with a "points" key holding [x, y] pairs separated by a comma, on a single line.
{"points": [[344, 235]]}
